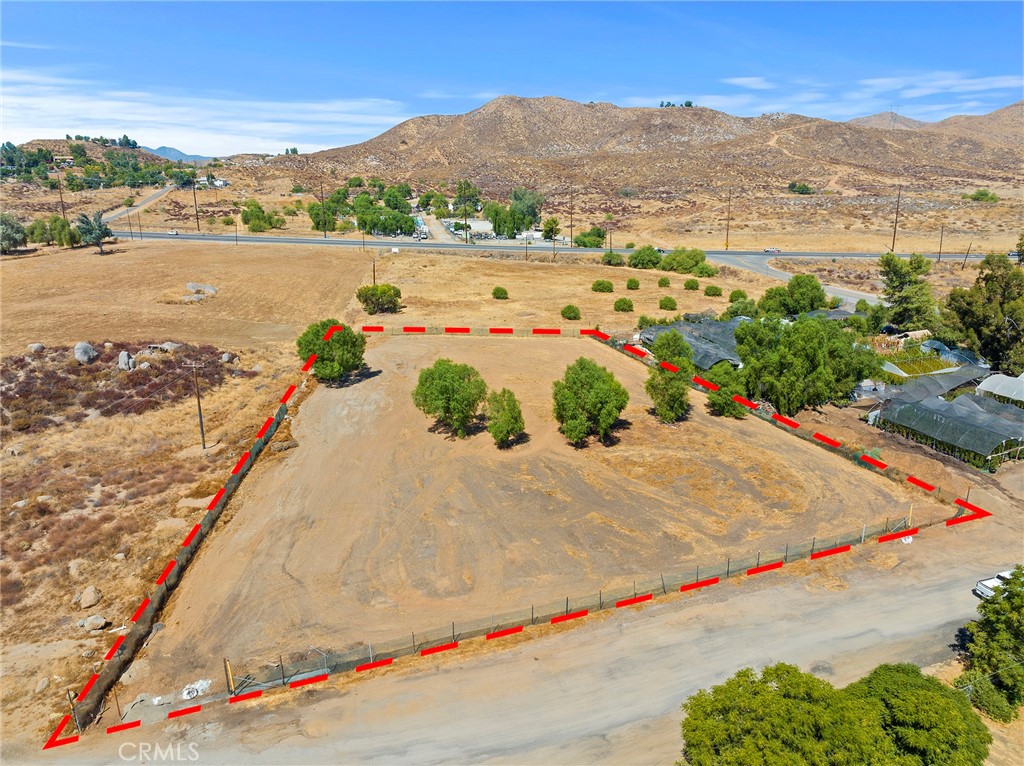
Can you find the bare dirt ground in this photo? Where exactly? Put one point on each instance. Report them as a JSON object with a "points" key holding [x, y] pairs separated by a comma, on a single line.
{"points": [[864, 274], [374, 526]]}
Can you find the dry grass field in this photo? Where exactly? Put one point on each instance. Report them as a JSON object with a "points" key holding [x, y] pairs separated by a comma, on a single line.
{"points": [[864, 275], [376, 526]]}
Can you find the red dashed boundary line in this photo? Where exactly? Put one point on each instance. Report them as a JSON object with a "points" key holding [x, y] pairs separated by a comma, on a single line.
{"points": [[55, 740]]}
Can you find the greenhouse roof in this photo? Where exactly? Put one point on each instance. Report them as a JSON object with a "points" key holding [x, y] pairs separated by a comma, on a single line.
{"points": [[1003, 385]]}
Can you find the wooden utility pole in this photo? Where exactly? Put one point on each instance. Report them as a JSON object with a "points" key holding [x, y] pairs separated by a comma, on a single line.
{"points": [[942, 231], [964, 264], [195, 203], [229, 677], [728, 218], [195, 366], [60, 190], [899, 192], [130, 233], [570, 215], [323, 207]]}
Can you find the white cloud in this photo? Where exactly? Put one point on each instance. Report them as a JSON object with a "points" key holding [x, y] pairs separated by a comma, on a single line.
{"points": [[29, 46], [754, 83], [38, 105]]}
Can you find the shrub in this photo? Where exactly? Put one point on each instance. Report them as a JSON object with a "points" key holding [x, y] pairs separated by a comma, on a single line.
{"points": [[691, 284], [335, 358], [211, 220], [588, 400], [624, 305], [682, 260], [570, 312], [499, 294], [630, 245], [504, 416], [632, 284], [705, 269], [664, 282], [670, 392], [647, 321], [227, 220], [602, 286], [713, 290], [985, 696], [379, 299], [611, 258], [647, 257], [737, 295], [730, 383], [289, 211], [450, 392], [592, 238], [981, 195], [667, 303], [128, 202]]}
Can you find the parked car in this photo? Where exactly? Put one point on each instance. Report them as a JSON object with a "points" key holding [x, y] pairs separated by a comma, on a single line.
{"points": [[772, 250], [174, 232], [986, 588]]}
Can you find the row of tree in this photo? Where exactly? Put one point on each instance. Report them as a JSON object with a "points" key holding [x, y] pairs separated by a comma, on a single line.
{"points": [[53, 230]]}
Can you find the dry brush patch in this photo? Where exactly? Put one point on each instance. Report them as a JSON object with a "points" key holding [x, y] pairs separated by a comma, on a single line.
{"points": [[865, 275]]}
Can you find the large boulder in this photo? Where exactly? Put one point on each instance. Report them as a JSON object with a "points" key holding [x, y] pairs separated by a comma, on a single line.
{"points": [[196, 287], [85, 353], [95, 622], [36, 348], [170, 345], [90, 597], [125, 361]]}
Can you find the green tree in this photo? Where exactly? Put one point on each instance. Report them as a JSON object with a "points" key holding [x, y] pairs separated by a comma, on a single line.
{"points": [[466, 193], [646, 257], [713, 291], [782, 717], [668, 303], [78, 153], [909, 296], [394, 199], [39, 231], [691, 284], [737, 295], [670, 391], [356, 182], [336, 357], [593, 237], [450, 392], [730, 383], [741, 308], [801, 294], [1019, 251], [551, 229], [602, 286], [319, 219], [705, 269], [688, 104], [588, 400], [380, 299], [989, 317], [12, 233], [996, 646], [63, 234], [92, 230], [504, 417], [611, 258], [928, 722], [526, 203], [570, 312], [623, 305]]}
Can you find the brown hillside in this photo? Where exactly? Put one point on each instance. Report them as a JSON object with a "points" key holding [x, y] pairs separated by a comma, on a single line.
{"points": [[1003, 127], [664, 153]]}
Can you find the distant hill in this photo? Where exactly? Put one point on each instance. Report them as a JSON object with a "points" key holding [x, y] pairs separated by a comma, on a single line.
{"points": [[887, 121], [93, 150], [170, 153], [549, 143]]}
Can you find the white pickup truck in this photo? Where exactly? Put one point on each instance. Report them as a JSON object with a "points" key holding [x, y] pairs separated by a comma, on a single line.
{"points": [[986, 588]]}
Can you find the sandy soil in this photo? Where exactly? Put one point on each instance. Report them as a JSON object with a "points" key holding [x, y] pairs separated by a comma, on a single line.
{"points": [[375, 526]]}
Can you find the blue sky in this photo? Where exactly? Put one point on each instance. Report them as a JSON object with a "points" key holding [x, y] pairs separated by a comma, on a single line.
{"points": [[220, 78]]}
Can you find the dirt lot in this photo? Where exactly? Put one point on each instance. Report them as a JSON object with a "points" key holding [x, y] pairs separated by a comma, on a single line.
{"points": [[864, 275], [375, 526]]}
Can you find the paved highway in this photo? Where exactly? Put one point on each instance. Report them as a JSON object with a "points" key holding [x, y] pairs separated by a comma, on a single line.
{"points": [[751, 260]]}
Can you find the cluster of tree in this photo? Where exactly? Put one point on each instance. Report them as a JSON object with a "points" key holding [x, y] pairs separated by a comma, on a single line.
{"points": [[435, 202], [467, 194], [507, 221], [994, 675], [89, 231], [894, 715], [324, 216], [123, 141], [337, 356], [593, 237], [257, 219], [684, 260], [981, 195], [453, 394], [800, 188], [52, 230], [804, 364], [380, 299], [686, 104], [27, 167], [292, 150]]}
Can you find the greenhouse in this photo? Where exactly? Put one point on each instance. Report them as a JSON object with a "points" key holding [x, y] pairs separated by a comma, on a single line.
{"points": [[1004, 389], [711, 341], [980, 434]]}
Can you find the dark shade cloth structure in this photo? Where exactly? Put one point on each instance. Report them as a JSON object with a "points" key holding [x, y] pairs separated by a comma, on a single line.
{"points": [[711, 341]]}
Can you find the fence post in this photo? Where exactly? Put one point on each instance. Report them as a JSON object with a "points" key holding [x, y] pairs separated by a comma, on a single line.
{"points": [[698, 574], [281, 658], [600, 601], [531, 615], [371, 651], [229, 677], [414, 642], [785, 556], [863, 532], [453, 631], [758, 559], [567, 605], [887, 524], [664, 590], [728, 562], [634, 588], [813, 539]]}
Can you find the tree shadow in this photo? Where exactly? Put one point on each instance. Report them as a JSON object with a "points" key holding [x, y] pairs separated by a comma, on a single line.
{"points": [[354, 378], [961, 641], [522, 438], [654, 414], [476, 426]]}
